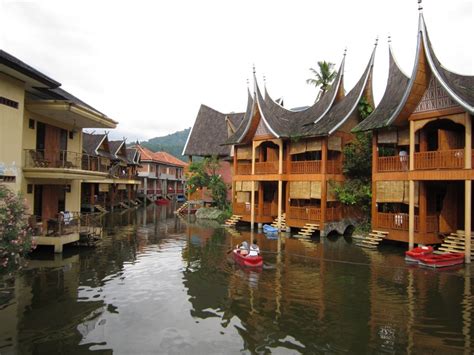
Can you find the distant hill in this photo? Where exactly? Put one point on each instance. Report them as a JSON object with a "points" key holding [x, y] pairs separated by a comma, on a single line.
{"points": [[172, 143]]}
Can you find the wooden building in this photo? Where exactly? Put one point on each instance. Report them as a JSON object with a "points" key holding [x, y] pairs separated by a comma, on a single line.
{"points": [[422, 151], [285, 161], [210, 131]]}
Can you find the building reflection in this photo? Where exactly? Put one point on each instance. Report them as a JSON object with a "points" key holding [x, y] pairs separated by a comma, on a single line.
{"points": [[308, 289]]}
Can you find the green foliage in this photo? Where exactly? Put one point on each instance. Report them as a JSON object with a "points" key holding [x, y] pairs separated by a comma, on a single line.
{"points": [[358, 157], [172, 143], [323, 77], [204, 174], [364, 108], [15, 235]]}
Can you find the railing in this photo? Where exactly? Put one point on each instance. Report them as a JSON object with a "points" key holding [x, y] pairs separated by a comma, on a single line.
{"points": [[393, 163], [305, 213], [269, 167], [63, 224], [305, 167], [440, 159], [399, 221], [334, 167], [40, 158], [333, 214], [244, 169], [242, 208]]}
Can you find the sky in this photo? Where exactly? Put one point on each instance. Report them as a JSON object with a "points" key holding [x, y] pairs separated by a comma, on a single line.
{"points": [[150, 64]]}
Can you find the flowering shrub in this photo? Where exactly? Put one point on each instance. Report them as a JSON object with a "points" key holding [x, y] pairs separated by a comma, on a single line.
{"points": [[15, 235]]}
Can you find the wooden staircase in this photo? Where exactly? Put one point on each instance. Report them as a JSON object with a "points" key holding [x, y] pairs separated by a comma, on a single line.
{"points": [[284, 226], [372, 240], [307, 231], [183, 208], [100, 208], [455, 243], [232, 221], [124, 205]]}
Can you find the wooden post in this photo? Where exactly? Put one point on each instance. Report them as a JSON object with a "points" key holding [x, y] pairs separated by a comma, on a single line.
{"points": [[411, 201], [235, 161], [260, 200], [423, 141], [324, 158], [375, 159], [422, 208], [252, 193], [280, 182], [411, 215], [468, 191]]}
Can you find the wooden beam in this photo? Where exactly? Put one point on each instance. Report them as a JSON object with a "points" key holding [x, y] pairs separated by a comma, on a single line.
{"points": [[411, 215], [422, 208], [375, 158], [468, 190], [280, 192], [324, 158], [412, 145]]}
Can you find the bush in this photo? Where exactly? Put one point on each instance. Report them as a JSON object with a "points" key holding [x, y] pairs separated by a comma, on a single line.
{"points": [[15, 235]]}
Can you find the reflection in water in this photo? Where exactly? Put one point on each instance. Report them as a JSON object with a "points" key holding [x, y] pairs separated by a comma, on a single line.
{"points": [[159, 283]]}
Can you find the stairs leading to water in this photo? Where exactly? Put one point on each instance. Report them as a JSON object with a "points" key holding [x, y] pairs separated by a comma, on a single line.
{"points": [[283, 222], [232, 221], [183, 208], [124, 205], [456, 242], [100, 208], [307, 231], [372, 240]]}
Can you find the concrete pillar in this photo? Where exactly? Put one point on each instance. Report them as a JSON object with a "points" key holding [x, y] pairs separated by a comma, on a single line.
{"points": [[155, 193], [260, 225], [58, 248], [145, 189]]}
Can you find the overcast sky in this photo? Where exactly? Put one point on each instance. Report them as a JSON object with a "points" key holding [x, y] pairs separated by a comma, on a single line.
{"points": [[150, 64]]}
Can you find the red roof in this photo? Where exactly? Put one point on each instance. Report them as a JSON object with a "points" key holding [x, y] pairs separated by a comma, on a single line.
{"points": [[159, 157]]}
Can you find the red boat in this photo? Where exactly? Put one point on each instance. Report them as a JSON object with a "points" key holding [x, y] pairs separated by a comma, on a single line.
{"points": [[442, 260], [162, 201], [249, 261], [415, 254]]}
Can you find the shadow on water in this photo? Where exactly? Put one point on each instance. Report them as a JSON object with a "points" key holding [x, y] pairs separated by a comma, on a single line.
{"points": [[159, 283]]}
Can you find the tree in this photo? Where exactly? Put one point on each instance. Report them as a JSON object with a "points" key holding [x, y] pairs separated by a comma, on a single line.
{"points": [[204, 174], [15, 235], [356, 191], [323, 77]]}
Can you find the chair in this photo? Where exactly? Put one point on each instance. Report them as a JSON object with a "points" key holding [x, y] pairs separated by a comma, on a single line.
{"points": [[38, 159]]}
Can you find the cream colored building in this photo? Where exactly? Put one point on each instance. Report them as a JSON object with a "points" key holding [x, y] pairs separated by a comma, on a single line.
{"points": [[41, 142]]}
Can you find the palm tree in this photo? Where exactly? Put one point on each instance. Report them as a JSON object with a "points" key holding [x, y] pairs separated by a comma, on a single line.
{"points": [[323, 77]]}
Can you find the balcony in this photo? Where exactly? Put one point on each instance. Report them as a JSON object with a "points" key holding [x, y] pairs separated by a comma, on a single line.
{"points": [[244, 169], [314, 214], [431, 160], [305, 167], [242, 208], [41, 159], [440, 159], [399, 221]]}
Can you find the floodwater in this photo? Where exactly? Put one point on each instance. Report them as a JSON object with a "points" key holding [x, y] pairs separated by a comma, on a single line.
{"points": [[158, 284]]}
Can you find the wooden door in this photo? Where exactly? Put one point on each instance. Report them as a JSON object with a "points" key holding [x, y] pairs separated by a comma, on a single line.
{"points": [[52, 145]]}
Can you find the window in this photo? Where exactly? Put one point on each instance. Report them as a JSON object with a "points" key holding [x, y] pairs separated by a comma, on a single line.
{"points": [[31, 123], [29, 188], [71, 135], [8, 102]]}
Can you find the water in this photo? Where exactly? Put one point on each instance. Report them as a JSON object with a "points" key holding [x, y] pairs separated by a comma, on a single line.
{"points": [[160, 285]]}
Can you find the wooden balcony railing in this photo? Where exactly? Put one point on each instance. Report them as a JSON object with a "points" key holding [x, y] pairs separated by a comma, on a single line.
{"points": [[39, 158], [399, 221], [269, 167], [314, 213], [393, 163], [244, 169], [241, 208], [440, 159], [334, 167], [306, 167]]}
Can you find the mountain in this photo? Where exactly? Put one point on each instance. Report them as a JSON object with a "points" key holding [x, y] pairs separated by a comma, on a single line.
{"points": [[172, 143]]}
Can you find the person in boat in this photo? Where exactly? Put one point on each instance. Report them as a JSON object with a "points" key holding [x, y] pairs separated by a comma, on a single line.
{"points": [[244, 248], [254, 249]]}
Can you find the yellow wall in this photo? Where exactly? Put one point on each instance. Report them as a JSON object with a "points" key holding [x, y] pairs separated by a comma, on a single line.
{"points": [[11, 126]]}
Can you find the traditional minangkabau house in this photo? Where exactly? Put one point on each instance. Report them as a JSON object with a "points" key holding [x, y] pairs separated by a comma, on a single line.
{"points": [[210, 131], [161, 175], [422, 152], [286, 160], [118, 188], [41, 149]]}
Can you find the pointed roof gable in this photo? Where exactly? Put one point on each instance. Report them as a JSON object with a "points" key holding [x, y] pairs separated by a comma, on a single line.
{"points": [[397, 83], [168, 159], [210, 131], [145, 153], [341, 111]]}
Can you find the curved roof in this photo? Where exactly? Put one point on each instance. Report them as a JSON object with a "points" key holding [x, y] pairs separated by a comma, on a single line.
{"points": [[341, 111], [397, 83]]}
